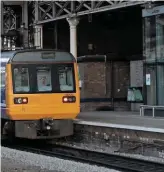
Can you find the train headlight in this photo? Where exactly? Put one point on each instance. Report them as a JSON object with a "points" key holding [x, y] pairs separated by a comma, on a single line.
{"points": [[65, 99], [24, 100], [69, 99], [20, 100]]}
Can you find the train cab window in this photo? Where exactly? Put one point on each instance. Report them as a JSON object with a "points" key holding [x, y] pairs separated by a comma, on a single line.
{"points": [[21, 80], [44, 79], [66, 78]]}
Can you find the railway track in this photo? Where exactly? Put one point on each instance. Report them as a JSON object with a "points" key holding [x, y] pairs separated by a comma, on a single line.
{"points": [[95, 158]]}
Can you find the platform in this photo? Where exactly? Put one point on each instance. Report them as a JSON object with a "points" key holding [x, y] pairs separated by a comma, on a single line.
{"points": [[123, 133], [122, 120]]}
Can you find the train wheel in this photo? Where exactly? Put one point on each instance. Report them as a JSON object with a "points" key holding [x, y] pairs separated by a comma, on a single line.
{"points": [[7, 130], [3, 136]]}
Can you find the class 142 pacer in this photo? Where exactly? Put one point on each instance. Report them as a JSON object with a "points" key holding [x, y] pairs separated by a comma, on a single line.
{"points": [[40, 94]]}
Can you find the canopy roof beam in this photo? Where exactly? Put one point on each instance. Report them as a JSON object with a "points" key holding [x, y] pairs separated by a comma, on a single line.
{"points": [[55, 10]]}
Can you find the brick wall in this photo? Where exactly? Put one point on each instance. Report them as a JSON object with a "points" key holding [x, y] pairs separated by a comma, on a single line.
{"points": [[93, 77], [97, 83], [93, 106]]}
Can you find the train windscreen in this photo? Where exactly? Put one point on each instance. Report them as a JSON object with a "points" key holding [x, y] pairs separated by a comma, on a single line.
{"points": [[45, 78]]}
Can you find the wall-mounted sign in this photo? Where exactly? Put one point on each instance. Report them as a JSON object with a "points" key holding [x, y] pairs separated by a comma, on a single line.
{"points": [[148, 79], [90, 46], [135, 94], [153, 11], [46, 55]]}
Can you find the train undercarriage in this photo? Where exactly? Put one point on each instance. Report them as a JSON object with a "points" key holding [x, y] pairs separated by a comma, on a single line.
{"points": [[46, 128]]}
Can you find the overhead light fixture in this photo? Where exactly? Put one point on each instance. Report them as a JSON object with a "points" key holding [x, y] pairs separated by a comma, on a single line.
{"points": [[149, 5], [89, 18]]}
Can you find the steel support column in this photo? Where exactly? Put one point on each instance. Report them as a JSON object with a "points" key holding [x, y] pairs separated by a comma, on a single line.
{"points": [[56, 35], [73, 22], [38, 36], [2, 25], [25, 22], [38, 29]]}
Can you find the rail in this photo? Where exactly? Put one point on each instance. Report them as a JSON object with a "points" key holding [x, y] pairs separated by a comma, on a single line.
{"points": [[153, 108], [113, 161]]}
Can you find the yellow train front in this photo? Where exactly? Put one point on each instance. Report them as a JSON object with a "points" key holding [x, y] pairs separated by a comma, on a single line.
{"points": [[41, 94]]}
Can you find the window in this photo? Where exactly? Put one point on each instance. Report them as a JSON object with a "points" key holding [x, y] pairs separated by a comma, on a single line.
{"points": [[21, 80], [44, 79], [2, 76], [66, 78], [154, 52]]}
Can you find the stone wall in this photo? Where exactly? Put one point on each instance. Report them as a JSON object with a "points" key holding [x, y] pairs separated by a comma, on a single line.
{"points": [[115, 140], [101, 106], [93, 77]]}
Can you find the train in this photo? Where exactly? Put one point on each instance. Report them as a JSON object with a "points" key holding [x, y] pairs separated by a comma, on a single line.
{"points": [[40, 94]]}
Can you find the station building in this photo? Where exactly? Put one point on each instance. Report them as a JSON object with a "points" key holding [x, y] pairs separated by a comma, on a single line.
{"points": [[119, 46]]}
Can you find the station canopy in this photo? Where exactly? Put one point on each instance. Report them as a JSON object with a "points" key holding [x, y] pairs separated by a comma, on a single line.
{"points": [[55, 10]]}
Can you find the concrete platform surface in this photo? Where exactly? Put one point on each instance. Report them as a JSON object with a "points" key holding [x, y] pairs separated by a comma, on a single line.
{"points": [[126, 120]]}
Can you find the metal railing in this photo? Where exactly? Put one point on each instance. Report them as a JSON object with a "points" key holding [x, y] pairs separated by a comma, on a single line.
{"points": [[153, 108]]}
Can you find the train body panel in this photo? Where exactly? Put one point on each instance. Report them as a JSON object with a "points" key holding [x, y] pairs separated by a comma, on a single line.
{"points": [[40, 105], [3, 107], [47, 106], [3, 61], [39, 95]]}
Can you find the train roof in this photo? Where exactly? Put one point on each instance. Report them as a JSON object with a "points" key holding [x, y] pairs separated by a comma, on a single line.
{"points": [[37, 55]]}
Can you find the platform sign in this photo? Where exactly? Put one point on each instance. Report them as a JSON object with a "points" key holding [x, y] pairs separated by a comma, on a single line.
{"points": [[153, 11], [148, 79], [46, 55]]}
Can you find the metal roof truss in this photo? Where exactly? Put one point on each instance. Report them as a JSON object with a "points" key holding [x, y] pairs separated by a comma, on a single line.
{"points": [[9, 19], [55, 10]]}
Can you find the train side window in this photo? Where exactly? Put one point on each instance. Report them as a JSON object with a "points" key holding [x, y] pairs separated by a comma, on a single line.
{"points": [[44, 79], [3, 77], [66, 79], [21, 80]]}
